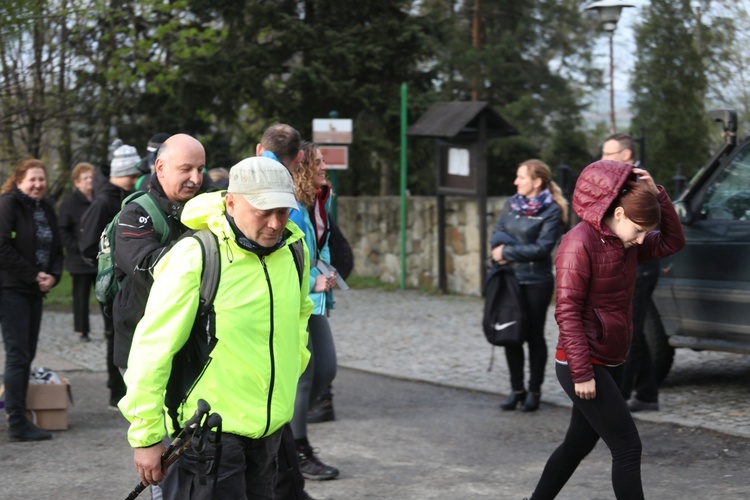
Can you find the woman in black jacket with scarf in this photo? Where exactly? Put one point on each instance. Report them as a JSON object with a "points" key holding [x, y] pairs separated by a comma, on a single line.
{"points": [[528, 229], [31, 261]]}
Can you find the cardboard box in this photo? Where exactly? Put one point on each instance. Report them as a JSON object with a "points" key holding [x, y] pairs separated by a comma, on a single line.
{"points": [[47, 405]]}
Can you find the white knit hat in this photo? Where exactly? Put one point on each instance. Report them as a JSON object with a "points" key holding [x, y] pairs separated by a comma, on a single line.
{"points": [[124, 162], [266, 184]]}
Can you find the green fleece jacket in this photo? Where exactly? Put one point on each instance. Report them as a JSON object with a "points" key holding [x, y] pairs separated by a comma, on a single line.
{"points": [[261, 314]]}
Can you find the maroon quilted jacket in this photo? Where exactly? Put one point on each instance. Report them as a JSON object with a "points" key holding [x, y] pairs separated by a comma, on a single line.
{"points": [[596, 273]]}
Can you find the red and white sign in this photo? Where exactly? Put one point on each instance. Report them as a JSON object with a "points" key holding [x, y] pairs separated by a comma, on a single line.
{"points": [[332, 131], [336, 157]]}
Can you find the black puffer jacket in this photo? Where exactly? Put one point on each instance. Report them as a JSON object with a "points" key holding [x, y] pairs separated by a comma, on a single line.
{"points": [[71, 213], [529, 240], [18, 241]]}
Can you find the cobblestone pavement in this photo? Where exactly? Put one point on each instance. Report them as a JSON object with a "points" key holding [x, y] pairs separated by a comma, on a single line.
{"points": [[438, 339]]}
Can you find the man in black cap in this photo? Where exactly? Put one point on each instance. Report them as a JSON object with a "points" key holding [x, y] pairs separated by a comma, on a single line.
{"points": [[106, 204]]}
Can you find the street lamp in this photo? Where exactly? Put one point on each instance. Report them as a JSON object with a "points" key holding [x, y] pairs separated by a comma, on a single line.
{"points": [[609, 13]]}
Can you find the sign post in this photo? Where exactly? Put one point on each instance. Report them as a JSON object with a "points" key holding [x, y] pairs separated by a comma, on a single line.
{"points": [[331, 135]]}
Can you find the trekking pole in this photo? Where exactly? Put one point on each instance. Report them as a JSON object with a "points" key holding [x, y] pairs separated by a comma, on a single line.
{"points": [[178, 445], [192, 425], [211, 422]]}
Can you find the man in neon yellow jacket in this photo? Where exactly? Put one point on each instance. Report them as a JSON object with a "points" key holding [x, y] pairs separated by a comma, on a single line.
{"points": [[259, 321]]}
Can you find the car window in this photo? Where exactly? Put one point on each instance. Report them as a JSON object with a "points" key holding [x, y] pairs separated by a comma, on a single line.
{"points": [[728, 196]]}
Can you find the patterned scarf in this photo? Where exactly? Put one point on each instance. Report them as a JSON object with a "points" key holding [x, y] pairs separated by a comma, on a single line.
{"points": [[43, 237], [531, 206]]}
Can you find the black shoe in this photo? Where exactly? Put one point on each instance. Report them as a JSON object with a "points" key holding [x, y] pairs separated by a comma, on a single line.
{"points": [[321, 411], [531, 403], [513, 400], [312, 468], [28, 432], [84, 337]]}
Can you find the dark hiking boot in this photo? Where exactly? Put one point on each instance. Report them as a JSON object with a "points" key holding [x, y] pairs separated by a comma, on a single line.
{"points": [[321, 411], [531, 403], [312, 468], [513, 400], [27, 432]]}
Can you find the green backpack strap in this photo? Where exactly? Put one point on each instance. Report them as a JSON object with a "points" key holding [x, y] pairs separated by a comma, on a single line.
{"points": [[143, 179], [149, 204]]}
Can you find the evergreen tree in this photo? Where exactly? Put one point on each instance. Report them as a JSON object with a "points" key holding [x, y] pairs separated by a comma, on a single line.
{"points": [[725, 47], [532, 63], [669, 87]]}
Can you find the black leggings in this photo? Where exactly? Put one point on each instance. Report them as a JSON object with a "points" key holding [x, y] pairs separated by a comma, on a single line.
{"points": [[82, 284], [605, 416]]}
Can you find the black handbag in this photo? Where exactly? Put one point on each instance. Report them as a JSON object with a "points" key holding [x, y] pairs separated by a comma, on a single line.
{"points": [[342, 257], [504, 319]]}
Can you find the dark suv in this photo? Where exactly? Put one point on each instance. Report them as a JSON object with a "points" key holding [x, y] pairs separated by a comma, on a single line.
{"points": [[702, 300]]}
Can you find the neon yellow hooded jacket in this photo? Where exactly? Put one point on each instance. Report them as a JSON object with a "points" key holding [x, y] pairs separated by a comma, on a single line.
{"points": [[261, 315]]}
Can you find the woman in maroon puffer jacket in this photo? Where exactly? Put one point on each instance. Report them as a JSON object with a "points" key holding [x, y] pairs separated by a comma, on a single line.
{"points": [[620, 208]]}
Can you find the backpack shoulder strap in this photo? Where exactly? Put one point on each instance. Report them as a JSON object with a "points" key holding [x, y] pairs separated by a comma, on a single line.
{"points": [[211, 269], [211, 272], [143, 179], [158, 219], [298, 253]]}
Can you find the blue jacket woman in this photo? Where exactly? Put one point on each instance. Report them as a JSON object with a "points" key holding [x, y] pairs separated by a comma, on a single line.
{"points": [[524, 237], [322, 301], [314, 200]]}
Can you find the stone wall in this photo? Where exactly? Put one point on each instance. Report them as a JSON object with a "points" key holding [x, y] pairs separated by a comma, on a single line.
{"points": [[372, 226]]}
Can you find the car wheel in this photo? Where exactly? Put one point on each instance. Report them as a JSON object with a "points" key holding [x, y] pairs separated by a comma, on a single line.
{"points": [[662, 354]]}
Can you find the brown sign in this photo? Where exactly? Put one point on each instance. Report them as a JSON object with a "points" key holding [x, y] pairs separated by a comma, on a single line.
{"points": [[336, 157]]}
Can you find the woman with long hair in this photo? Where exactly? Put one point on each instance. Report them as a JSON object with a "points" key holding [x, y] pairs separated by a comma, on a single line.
{"points": [[31, 260], [529, 227], [314, 200], [619, 206]]}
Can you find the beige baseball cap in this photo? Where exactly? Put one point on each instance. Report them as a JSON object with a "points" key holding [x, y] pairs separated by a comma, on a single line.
{"points": [[265, 183]]}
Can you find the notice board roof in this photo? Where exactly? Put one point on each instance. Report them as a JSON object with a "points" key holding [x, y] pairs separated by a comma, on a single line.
{"points": [[452, 119]]}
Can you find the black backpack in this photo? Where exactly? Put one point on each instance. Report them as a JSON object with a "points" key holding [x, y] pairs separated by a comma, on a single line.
{"points": [[505, 319], [342, 257], [195, 355]]}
